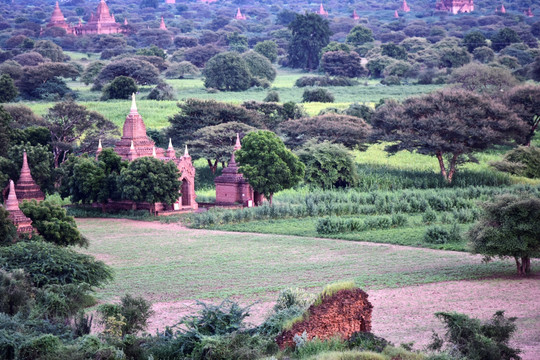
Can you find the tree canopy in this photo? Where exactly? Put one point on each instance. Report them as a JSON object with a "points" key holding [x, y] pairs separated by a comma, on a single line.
{"points": [[447, 123], [267, 164], [228, 72], [310, 33], [524, 100]]}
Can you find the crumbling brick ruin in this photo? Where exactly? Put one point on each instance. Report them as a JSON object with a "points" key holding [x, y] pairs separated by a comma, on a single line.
{"points": [[342, 314]]}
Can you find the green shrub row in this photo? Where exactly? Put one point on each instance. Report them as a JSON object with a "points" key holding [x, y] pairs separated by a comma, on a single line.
{"points": [[336, 225]]}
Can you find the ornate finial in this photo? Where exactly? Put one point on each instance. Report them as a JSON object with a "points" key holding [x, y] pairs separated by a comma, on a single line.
{"points": [[186, 151], [12, 203], [170, 144], [99, 145], [154, 151], [132, 146], [133, 105], [237, 146]]}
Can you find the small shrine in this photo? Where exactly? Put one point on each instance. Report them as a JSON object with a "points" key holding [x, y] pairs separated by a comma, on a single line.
{"points": [[396, 15], [321, 11], [502, 9], [58, 20], [231, 186], [162, 25], [528, 13], [23, 223], [239, 15], [355, 15]]}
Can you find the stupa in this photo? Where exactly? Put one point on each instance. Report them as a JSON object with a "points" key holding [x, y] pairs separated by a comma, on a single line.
{"points": [[26, 188], [355, 15], [162, 25], [405, 7], [456, 6], [58, 20], [23, 223], [321, 11], [528, 13], [396, 15], [502, 9], [231, 186], [239, 15]]}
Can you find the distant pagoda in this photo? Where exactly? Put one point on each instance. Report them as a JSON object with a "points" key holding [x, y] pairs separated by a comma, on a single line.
{"points": [[355, 15], [405, 7], [321, 11], [26, 188], [528, 13], [456, 6], [162, 25], [23, 223], [239, 15]]}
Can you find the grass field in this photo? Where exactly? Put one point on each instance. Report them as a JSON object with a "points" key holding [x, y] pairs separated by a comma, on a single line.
{"points": [[166, 262]]}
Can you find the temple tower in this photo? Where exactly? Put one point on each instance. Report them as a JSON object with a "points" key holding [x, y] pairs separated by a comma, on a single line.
{"points": [[239, 15], [405, 7], [23, 224], [162, 25], [355, 15], [58, 20], [321, 11], [26, 188], [456, 6]]}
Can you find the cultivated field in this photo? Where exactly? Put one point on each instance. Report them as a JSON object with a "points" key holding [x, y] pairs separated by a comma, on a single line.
{"points": [[172, 266]]}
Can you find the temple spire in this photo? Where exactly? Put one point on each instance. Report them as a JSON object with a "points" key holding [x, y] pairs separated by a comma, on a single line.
{"points": [[154, 151], [12, 204], [396, 15], [162, 25], [171, 154], [186, 153], [238, 145], [133, 105]]}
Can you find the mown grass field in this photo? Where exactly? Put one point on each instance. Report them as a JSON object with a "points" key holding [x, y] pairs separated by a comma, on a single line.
{"points": [[165, 262]]}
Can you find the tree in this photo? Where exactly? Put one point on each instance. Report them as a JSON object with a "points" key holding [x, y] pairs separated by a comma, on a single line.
{"points": [[5, 131], [328, 165], [8, 91], [8, 231], [91, 72], [141, 71], [53, 224], [152, 51], [228, 72], [120, 88], [310, 33], [35, 76], [509, 228], [30, 58], [483, 78], [484, 54], [259, 66], [195, 114], [524, 100], [162, 91], [268, 49], [199, 55], [340, 63], [237, 42], [215, 143], [267, 164], [394, 51], [150, 180], [453, 123], [317, 95], [70, 123], [359, 35], [473, 40], [50, 50], [454, 57], [503, 38], [182, 70], [349, 131]]}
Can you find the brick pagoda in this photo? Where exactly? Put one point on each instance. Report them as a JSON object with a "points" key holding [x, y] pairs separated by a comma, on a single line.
{"points": [[23, 224], [135, 144], [405, 7], [239, 15], [355, 15], [456, 6], [26, 188], [321, 11]]}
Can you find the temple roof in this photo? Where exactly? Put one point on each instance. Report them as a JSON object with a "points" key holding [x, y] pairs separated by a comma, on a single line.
{"points": [[57, 15], [26, 187]]}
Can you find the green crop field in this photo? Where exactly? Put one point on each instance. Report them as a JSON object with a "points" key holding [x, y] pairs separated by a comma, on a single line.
{"points": [[165, 262]]}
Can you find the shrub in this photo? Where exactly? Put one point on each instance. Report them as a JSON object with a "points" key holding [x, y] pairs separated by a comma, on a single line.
{"points": [[134, 313], [259, 66], [267, 48], [39, 346], [182, 70], [341, 63], [241, 346], [317, 95], [162, 91], [429, 216], [325, 81], [16, 292], [293, 297], [120, 88], [522, 161], [476, 340], [316, 346], [276, 322], [272, 96], [367, 341], [442, 235]]}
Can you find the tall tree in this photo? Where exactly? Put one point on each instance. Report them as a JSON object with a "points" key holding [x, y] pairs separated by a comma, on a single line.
{"points": [[310, 33], [227, 72], [267, 164], [524, 100], [150, 180], [70, 123], [509, 228], [447, 123]]}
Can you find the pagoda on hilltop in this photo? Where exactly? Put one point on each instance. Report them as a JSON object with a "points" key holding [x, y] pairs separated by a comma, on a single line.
{"points": [[321, 11], [455, 6], [355, 15], [405, 7], [102, 22], [135, 144], [23, 223], [239, 15], [231, 186]]}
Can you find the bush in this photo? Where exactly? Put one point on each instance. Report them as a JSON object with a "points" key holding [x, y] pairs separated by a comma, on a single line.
{"points": [[341, 63], [135, 313], [325, 81], [316, 346], [259, 66], [39, 346], [476, 340], [16, 292], [8, 91], [442, 235], [267, 48], [293, 297], [275, 323], [227, 72], [272, 96], [162, 91], [522, 161], [120, 88], [368, 342], [317, 95], [182, 70]]}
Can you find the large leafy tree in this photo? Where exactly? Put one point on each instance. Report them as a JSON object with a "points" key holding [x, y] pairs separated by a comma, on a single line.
{"points": [[509, 228], [227, 72], [142, 71], [341, 63], [524, 100], [447, 124], [483, 78], [359, 35], [35, 76], [70, 123], [53, 224], [8, 231], [310, 33], [215, 143], [473, 40], [267, 164], [8, 91], [150, 180]]}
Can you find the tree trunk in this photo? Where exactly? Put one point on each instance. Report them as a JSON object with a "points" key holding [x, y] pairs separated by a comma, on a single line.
{"points": [[213, 167], [452, 171], [523, 265], [270, 199], [441, 164], [530, 135], [103, 208]]}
